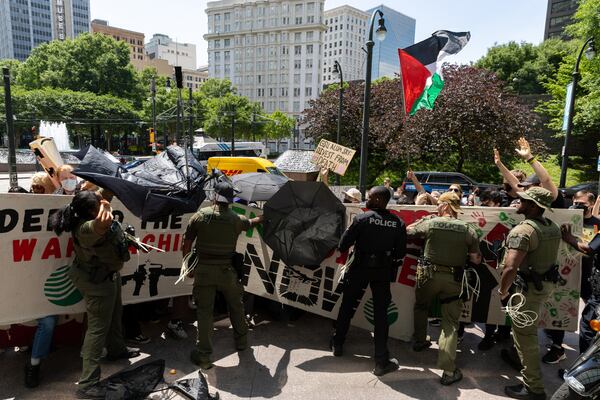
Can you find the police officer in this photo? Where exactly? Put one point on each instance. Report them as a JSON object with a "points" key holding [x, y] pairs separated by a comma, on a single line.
{"points": [[379, 239], [531, 250], [448, 243], [100, 251], [215, 230]]}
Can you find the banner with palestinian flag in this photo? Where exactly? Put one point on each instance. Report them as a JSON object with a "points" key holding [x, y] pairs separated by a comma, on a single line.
{"points": [[420, 65]]}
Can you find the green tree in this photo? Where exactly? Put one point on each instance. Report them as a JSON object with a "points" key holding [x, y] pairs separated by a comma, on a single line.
{"points": [[279, 126], [218, 122], [93, 63], [586, 121], [524, 67]]}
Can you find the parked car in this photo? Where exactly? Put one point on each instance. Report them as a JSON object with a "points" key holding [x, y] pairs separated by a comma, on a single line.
{"points": [[571, 190], [441, 181]]}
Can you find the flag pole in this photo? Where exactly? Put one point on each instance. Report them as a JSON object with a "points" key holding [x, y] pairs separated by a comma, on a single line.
{"points": [[403, 105]]}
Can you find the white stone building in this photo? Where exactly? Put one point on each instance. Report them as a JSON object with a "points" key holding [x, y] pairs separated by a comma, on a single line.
{"points": [[345, 36], [271, 50], [162, 47]]}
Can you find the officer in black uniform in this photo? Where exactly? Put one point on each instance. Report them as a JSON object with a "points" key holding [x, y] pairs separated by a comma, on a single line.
{"points": [[379, 239]]}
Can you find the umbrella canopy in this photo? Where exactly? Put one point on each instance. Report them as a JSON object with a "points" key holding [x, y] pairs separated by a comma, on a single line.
{"points": [[304, 221], [258, 186], [163, 185]]}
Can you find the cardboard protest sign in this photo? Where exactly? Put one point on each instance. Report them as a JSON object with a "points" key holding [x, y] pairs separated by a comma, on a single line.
{"points": [[333, 156], [34, 265]]}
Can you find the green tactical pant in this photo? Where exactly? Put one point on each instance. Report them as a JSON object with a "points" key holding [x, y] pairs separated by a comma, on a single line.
{"points": [[526, 339], [442, 286], [104, 328], [208, 279]]}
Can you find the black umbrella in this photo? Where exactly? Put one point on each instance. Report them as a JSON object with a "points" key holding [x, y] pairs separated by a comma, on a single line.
{"points": [[164, 185], [258, 186], [303, 222]]}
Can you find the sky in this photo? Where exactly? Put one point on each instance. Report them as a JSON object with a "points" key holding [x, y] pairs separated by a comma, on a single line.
{"points": [[489, 21]]}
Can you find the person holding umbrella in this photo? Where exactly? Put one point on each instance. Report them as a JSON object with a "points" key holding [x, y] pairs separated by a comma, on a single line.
{"points": [[215, 231], [379, 239]]}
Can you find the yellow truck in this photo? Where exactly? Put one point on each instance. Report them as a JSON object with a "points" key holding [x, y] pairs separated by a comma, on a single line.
{"points": [[241, 165]]}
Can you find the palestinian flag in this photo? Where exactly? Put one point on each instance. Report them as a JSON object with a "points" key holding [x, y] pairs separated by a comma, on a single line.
{"points": [[420, 64]]}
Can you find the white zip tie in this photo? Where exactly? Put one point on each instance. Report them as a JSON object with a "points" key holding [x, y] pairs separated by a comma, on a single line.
{"points": [[465, 286], [520, 319]]}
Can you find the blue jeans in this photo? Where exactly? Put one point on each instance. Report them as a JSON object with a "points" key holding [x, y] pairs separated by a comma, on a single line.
{"points": [[43, 336]]}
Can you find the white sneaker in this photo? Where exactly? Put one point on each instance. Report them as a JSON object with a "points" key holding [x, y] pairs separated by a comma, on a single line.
{"points": [[175, 328]]}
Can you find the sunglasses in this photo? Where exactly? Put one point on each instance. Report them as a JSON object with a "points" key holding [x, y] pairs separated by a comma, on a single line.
{"points": [[454, 190]]}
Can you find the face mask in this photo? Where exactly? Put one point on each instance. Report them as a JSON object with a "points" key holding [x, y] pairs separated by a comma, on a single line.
{"points": [[69, 184], [579, 206]]}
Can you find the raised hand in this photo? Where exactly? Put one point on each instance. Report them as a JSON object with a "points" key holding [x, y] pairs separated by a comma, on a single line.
{"points": [[497, 159], [524, 151], [105, 217]]}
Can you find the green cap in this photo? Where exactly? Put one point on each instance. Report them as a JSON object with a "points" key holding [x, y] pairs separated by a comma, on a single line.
{"points": [[540, 196]]}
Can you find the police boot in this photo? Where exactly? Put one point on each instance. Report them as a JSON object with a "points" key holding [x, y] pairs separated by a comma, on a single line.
{"points": [[385, 368], [32, 375], [337, 349], [521, 392]]}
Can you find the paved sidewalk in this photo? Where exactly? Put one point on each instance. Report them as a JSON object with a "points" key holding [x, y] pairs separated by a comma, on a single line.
{"points": [[290, 360]]}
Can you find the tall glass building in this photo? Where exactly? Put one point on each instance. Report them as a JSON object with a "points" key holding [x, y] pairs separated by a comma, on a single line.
{"points": [[400, 34], [25, 24]]}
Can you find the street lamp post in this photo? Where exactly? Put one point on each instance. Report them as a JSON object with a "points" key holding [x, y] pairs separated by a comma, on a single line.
{"points": [[381, 31], [153, 91], [231, 113], [10, 130], [165, 137], [337, 70], [590, 52]]}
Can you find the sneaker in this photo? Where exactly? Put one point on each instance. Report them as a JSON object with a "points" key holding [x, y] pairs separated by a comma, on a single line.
{"points": [[448, 379], [435, 322], [554, 355], [486, 343], [337, 349], [521, 392], [128, 353], [420, 346], [32, 375], [139, 339], [91, 392], [175, 328], [511, 358], [386, 368]]}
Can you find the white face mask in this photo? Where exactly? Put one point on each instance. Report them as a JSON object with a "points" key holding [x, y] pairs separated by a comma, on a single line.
{"points": [[69, 184]]}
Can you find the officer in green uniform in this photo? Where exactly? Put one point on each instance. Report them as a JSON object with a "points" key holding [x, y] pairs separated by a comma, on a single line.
{"points": [[531, 251], [448, 243], [100, 251], [215, 230]]}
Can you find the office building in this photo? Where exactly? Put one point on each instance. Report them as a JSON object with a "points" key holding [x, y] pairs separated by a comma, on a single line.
{"points": [[344, 40], [25, 24], [177, 54], [559, 14], [135, 40], [270, 50], [400, 34], [194, 78]]}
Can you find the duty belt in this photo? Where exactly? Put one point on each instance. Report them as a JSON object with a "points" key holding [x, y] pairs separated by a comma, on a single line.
{"points": [[444, 268]]}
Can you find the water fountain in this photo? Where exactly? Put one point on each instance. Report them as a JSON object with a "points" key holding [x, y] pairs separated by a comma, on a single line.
{"points": [[58, 132]]}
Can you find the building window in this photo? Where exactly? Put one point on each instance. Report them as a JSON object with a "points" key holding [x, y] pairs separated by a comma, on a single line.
{"points": [[297, 50], [297, 64], [297, 37], [297, 92], [309, 49], [309, 63], [308, 91]]}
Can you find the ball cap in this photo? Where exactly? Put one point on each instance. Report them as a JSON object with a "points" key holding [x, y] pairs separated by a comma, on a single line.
{"points": [[532, 180], [452, 199], [540, 196], [224, 192]]}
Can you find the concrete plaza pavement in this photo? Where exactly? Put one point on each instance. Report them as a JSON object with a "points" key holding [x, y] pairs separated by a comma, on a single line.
{"points": [[291, 360]]}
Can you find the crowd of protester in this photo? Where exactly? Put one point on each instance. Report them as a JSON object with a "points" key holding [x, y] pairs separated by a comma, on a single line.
{"points": [[506, 195]]}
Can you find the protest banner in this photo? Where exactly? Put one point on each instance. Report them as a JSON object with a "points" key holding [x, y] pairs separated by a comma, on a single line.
{"points": [[34, 266], [332, 156]]}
